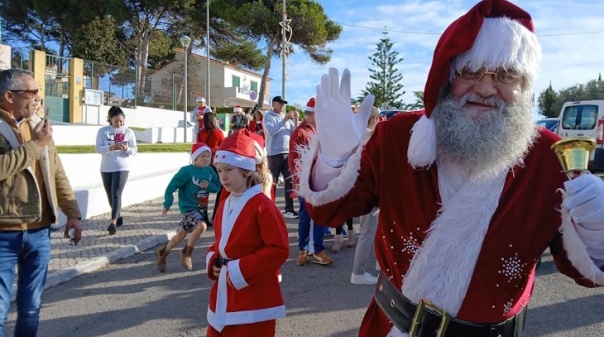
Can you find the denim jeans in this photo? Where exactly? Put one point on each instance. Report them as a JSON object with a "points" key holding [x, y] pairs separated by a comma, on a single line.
{"points": [[30, 251], [304, 224]]}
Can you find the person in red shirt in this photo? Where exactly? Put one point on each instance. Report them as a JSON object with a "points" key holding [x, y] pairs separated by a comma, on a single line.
{"points": [[256, 126], [299, 139], [210, 134]]}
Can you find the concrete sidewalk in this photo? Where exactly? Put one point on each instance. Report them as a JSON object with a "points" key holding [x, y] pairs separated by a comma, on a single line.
{"points": [[144, 228]]}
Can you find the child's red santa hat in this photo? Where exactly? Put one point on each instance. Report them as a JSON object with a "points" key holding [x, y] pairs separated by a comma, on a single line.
{"points": [[494, 33], [199, 148], [238, 108], [237, 150], [200, 99], [310, 106]]}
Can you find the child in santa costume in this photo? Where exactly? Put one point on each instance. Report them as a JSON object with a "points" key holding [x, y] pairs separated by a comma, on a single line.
{"points": [[194, 183], [469, 190], [250, 247]]}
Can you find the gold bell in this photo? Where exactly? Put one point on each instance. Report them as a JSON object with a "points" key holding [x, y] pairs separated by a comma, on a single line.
{"points": [[573, 153]]}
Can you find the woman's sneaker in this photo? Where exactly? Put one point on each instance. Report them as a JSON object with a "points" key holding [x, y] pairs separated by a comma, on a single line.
{"points": [[111, 229], [291, 215], [119, 222], [364, 278]]}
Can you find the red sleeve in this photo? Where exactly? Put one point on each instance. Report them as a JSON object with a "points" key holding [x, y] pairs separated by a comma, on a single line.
{"points": [[216, 139], [294, 155], [252, 126], [200, 136]]}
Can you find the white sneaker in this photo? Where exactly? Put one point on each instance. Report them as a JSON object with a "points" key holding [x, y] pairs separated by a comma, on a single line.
{"points": [[365, 278], [290, 215]]}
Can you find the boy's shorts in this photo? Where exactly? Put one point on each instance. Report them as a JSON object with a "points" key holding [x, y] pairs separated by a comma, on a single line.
{"points": [[192, 218]]}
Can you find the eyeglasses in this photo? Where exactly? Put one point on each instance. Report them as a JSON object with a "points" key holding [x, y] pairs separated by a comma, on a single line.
{"points": [[503, 76], [30, 93]]}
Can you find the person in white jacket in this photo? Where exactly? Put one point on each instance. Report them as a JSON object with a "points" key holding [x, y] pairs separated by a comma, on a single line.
{"points": [[116, 143]]}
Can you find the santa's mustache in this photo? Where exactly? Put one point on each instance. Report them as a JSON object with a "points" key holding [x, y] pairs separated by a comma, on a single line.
{"points": [[492, 101]]}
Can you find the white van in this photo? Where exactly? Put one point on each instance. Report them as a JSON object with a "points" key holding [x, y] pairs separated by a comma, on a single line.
{"points": [[585, 119]]}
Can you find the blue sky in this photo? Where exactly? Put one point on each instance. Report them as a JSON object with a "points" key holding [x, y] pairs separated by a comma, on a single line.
{"points": [[571, 33]]}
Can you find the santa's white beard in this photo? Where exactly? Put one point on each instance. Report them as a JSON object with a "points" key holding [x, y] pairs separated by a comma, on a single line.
{"points": [[483, 142]]}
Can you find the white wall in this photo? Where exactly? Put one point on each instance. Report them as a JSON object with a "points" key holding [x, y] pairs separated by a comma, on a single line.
{"points": [[148, 178], [143, 117]]}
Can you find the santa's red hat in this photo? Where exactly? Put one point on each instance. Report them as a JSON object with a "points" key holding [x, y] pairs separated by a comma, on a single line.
{"points": [[494, 33], [199, 148], [238, 150], [200, 99], [310, 106], [238, 108]]}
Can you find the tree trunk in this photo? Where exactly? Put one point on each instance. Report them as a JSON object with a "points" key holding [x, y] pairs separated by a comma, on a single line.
{"points": [[142, 57], [267, 69]]}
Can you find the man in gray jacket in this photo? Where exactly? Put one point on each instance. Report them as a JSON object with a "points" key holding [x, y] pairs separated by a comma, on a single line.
{"points": [[279, 126], [33, 185]]}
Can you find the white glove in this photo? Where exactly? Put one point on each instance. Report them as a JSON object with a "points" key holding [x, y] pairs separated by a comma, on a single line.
{"points": [[338, 128], [585, 201]]}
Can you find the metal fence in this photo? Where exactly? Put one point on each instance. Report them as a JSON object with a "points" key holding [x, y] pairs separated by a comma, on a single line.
{"points": [[160, 89]]}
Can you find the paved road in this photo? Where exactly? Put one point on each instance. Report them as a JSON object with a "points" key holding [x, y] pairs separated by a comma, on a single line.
{"points": [[130, 298]]}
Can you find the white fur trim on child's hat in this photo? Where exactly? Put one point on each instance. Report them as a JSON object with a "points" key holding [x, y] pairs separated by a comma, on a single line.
{"points": [[422, 145], [233, 159], [238, 108], [199, 148]]}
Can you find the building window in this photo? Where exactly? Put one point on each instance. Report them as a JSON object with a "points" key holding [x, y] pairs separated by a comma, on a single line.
{"points": [[236, 81], [254, 86]]}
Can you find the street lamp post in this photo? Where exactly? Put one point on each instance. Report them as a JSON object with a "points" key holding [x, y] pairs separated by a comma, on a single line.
{"points": [[286, 35], [185, 41], [208, 53]]}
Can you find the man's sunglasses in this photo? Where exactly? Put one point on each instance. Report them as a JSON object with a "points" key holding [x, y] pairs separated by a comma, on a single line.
{"points": [[32, 92]]}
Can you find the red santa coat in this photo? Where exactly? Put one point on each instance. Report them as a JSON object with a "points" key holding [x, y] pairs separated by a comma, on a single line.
{"points": [[478, 261], [255, 237]]}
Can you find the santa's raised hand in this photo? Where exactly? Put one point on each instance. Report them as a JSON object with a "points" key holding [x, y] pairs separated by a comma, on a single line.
{"points": [[339, 129]]}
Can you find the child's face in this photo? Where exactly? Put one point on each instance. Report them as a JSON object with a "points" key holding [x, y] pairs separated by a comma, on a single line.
{"points": [[234, 179], [203, 160]]}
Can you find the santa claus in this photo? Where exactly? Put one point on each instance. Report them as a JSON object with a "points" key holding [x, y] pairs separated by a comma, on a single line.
{"points": [[469, 190]]}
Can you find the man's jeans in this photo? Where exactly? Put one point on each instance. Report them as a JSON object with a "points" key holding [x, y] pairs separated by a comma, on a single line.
{"points": [[304, 224], [277, 164], [30, 251]]}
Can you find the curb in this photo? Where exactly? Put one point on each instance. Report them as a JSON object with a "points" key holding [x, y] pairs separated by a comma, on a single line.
{"points": [[66, 274]]}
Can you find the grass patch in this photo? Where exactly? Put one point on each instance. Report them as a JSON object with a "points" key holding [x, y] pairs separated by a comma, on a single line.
{"points": [[134, 128], [172, 147]]}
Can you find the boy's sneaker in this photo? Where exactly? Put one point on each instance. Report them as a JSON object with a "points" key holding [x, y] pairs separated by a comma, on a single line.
{"points": [[119, 222], [291, 215], [302, 259], [321, 258], [111, 229], [365, 279]]}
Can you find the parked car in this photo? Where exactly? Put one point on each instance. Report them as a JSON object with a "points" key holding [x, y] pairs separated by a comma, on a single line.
{"points": [[387, 114], [549, 123]]}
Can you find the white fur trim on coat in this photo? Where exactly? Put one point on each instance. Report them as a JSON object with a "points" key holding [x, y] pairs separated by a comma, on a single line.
{"points": [[336, 188], [236, 275], [422, 145], [208, 259], [576, 250]]}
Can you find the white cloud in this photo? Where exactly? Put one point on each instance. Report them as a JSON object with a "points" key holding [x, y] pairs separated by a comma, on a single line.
{"points": [[567, 59]]}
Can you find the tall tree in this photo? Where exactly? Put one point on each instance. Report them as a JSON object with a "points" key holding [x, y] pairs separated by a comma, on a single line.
{"points": [[547, 102], [139, 21], [259, 21], [386, 81]]}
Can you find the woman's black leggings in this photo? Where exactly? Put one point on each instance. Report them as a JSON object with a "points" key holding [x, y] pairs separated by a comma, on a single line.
{"points": [[348, 226], [114, 183]]}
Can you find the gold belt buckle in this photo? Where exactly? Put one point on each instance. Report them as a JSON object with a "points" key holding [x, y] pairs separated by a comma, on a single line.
{"points": [[419, 313]]}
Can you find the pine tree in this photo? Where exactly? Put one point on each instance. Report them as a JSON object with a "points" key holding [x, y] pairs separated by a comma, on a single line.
{"points": [[386, 83], [547, 102]]}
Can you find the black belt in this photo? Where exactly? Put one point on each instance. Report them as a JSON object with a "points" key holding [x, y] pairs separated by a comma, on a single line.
{"points": [[428, 320], [221, 261]]}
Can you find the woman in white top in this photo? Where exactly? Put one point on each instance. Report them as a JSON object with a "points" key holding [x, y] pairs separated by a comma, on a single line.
{"points": [[116, 143]]}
